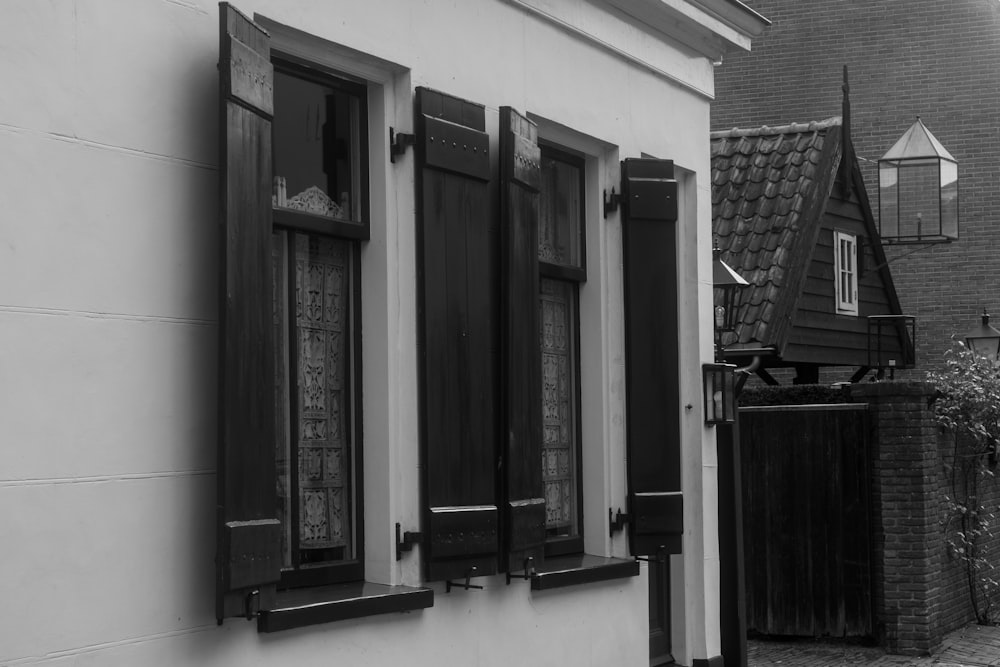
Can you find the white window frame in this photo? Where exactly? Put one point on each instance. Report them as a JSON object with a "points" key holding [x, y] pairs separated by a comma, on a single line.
{"points": [[602, 445], [388, 355], [845, 272]]}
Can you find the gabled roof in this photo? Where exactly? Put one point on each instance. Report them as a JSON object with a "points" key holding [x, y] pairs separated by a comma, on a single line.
{"points": [[768, 184]]}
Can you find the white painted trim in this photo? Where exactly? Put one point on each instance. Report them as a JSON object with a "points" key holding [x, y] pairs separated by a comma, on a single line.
{"points": [[711, 27], [598, 444], [388, 275], [845, 304], [618, 49], [309, 47]]}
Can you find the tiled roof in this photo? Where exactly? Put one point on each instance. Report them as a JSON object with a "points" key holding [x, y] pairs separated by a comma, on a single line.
{"points": [[769, 188]]}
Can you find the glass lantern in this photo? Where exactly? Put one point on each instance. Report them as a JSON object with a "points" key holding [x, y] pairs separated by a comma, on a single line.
{"points": [[918, 190]]}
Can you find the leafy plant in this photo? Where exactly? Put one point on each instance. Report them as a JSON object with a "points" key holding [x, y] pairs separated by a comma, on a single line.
{"points": [[968, 406]]}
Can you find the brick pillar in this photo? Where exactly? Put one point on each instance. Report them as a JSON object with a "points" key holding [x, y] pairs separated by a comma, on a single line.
{"points": [[906, 513]]}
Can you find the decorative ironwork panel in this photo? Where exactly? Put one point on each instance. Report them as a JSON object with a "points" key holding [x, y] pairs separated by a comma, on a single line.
{"points": [[321, 280], [558, 420]]}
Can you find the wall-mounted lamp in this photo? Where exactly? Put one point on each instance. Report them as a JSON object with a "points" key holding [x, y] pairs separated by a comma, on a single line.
{"points": [[730, 285], [719, 384], [984, 340]]}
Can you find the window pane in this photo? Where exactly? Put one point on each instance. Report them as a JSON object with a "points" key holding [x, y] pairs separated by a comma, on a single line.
{"points": [[314, 450], [559, 446], [561, 211], [316, 139], [919, 204], [321, 302]]}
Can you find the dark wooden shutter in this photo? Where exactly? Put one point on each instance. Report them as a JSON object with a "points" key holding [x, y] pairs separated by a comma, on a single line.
{"points": [[458, 287], [649, 194], [249, 537], [524, 502]]}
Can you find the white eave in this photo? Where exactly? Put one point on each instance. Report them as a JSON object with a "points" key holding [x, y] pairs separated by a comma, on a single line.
{"points": [[711, 27]]}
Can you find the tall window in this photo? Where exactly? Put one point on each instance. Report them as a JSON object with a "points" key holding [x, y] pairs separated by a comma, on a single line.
{"points": [[318, 197], [846, 272], [562, 268]]}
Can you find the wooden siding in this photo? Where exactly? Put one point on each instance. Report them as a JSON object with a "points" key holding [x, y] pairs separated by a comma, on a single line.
{"points": [[818, 334], [806, 520]]}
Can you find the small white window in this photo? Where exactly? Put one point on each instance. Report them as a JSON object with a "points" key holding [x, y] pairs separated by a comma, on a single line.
{"points": [[845, 259]]}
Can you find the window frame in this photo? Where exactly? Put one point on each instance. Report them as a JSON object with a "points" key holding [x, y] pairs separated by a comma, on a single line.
{"points": [[292, 223], [845, 303], [292, 65], [248, 539], [574, 276]]}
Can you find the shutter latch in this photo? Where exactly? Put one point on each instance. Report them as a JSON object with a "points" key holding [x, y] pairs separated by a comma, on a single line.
{"points": [[469, 574], [529, 570], [660, 557], [406, 542], [251, 606], [398, 141], [617, 521]]}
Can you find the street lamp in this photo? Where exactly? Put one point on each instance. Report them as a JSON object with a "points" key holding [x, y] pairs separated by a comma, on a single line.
{"points": [[984, 340]]}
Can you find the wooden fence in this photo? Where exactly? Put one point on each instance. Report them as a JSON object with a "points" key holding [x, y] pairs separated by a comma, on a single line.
{"points": [[806, 485]]}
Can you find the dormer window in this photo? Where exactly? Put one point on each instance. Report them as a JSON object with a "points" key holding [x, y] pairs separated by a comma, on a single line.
{"points": [[845, 249]]}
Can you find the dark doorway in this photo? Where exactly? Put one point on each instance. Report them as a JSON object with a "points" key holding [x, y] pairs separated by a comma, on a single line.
{"points": [[659, 612]]}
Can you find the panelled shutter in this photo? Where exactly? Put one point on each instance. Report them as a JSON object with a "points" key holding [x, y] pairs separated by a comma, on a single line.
{"points": [[458, 286], [249, 533], [649, 194], [524, 502]]}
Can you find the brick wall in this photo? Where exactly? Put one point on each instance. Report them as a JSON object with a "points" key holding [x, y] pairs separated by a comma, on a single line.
{"points": [[906, 511], [938, 60], [921, 591]]}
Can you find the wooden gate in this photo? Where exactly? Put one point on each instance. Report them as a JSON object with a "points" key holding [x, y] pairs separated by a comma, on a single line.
{"points": [[806, 488]]}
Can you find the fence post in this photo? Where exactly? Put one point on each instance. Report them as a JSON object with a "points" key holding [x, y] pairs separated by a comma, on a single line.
{"points": [[906, 514]]}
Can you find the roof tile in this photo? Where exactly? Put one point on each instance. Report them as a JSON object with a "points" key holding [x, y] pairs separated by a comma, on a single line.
{"points": [[761, 180]]}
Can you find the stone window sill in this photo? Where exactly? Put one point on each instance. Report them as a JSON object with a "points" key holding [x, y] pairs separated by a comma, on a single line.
{"points": [[325, 604], [581, 569]]}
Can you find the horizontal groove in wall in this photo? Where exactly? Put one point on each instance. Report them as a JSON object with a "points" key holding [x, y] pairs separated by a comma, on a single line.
{"points": [[146, 155], [97, 479], [94, 648], [58, 312]]}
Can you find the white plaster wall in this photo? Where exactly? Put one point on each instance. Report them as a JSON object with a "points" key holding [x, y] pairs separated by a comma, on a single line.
{"points": [[108, 307]]}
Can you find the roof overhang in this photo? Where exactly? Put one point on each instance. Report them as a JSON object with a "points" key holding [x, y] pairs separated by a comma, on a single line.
{"points": [[711, 27]]}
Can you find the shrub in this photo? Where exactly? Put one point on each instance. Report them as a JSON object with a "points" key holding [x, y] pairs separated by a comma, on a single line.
{"points": [[967, 405]]}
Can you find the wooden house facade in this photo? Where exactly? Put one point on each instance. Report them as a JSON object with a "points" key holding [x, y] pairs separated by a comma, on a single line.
{"points": [[792, 216], [919, 59]]}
